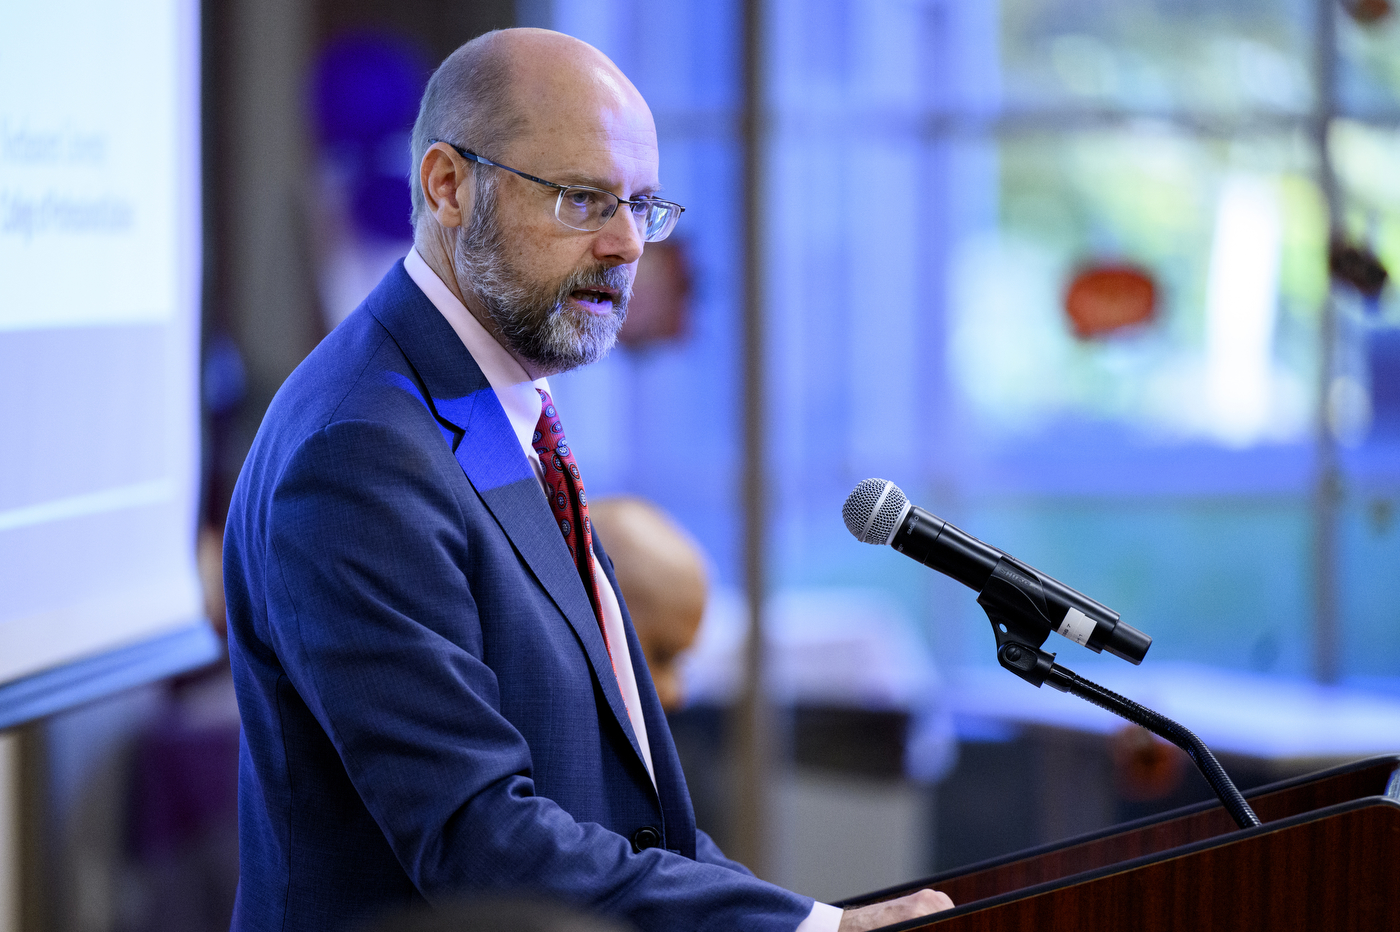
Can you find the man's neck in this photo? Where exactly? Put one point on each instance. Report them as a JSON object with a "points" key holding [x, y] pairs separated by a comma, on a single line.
{"points": [[436, 251]]}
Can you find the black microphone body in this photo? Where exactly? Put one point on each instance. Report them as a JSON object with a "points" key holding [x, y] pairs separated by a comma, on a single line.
{"points": [[941, 546], [877, 512]]}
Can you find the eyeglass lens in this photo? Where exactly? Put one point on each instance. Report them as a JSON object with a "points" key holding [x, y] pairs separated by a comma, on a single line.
{"points": [[588, 209]]}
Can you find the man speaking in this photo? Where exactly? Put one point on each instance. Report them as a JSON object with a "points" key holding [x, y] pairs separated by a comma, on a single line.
{"points": [[440, 688]]}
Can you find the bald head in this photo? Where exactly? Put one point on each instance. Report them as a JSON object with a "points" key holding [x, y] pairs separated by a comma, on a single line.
{"points": [[662, 576], [522, 86]]}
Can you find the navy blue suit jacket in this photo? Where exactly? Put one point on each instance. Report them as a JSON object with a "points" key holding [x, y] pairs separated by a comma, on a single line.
{"points": [[428, 706]]}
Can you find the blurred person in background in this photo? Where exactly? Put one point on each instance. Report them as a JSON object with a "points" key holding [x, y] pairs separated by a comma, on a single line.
{"points": [[440, 689], [661, 577]]}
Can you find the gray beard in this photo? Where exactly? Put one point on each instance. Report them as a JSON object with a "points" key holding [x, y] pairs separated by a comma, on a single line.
{"points": [[534, 317]]}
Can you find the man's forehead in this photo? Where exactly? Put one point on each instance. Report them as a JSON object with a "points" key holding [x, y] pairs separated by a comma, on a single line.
{"points": [[593, 144], [583, 121]]}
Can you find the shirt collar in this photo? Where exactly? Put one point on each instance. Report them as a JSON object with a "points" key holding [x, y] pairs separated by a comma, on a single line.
{"points": [[513, 387]]}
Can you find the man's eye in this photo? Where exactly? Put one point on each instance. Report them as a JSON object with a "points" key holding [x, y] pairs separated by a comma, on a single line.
{"points": [[580, 198]]}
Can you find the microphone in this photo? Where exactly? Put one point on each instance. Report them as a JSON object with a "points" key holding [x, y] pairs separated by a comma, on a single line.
{"points": [[877, 512]]}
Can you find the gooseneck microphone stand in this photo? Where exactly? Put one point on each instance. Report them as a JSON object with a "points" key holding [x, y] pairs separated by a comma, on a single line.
{"points": [[1021, 628]]}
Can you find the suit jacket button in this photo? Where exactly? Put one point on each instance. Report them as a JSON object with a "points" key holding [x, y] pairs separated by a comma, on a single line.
{"points": [[644, 838]]}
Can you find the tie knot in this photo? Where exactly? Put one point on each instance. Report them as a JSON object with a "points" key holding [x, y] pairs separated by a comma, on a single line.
{"points": [[549, 430]]}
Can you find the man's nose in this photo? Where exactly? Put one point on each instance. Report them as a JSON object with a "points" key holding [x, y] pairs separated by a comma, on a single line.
{"points": [[620, 238]]}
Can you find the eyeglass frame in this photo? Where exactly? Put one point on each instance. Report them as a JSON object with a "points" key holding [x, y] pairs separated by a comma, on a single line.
{"points": [[558, 202]]}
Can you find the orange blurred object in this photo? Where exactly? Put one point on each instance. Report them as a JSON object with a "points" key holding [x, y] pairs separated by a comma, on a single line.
{"points": [[1367, 12], [1145, 767], [660, 307], [1105, 298]]}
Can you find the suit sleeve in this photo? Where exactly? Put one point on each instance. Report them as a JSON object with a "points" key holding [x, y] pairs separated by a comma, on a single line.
{"points": [[373, 618], [708, 852]]}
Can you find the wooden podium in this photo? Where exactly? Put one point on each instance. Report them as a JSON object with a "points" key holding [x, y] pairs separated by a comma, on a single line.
{"points": [[1326, 858]]}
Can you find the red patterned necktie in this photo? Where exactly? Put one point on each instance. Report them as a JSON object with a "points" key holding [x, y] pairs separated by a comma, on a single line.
{"points": [[568, 502]]}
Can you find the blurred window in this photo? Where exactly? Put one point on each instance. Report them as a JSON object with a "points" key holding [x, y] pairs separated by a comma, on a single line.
{"points": [[945, 169]]}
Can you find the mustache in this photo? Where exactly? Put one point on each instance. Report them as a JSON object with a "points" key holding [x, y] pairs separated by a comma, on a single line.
{"points": [[611, 278]]}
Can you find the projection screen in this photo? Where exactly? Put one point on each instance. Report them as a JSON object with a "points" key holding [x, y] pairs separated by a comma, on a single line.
{"points": [[99, 362]]}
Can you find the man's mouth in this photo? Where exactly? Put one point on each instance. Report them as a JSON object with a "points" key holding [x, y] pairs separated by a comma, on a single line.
{"points": [[595, 300]]}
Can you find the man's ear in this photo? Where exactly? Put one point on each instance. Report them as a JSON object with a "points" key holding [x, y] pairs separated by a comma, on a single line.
{"points": [[448, 192]]}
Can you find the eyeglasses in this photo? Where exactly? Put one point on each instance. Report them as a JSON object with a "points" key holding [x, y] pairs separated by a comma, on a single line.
{"points": [[584, 208]]}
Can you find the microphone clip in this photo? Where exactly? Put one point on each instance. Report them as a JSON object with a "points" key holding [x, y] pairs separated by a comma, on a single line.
{"points": [[1015, 605]]}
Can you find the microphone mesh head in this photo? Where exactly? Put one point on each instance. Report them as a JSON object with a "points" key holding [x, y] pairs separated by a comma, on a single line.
{"points": [[873, 511]]}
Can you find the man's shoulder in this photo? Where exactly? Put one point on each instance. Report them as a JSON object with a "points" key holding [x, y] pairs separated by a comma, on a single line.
{"points": [[394, 352], [365, 370], [356, 371]]}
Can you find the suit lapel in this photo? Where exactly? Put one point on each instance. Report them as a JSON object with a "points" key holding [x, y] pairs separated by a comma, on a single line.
{"points": [[671, 789], [489, 454], [521, 509]]}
